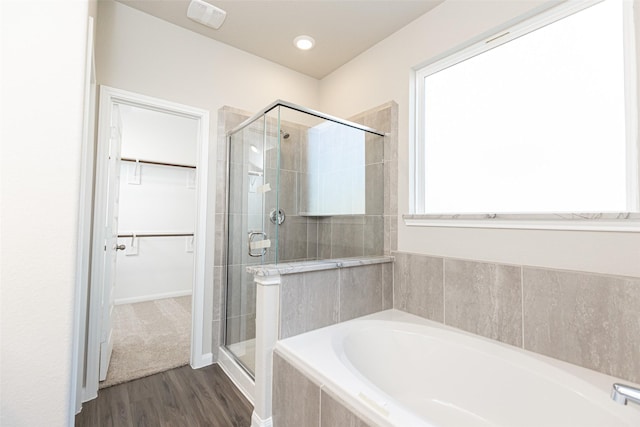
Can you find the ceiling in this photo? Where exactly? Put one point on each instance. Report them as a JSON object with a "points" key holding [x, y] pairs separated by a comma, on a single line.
{"points": [[266, 28]]}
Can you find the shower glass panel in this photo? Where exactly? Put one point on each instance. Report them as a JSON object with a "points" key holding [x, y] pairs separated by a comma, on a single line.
{"points": [[301, 187], [248, 243]]}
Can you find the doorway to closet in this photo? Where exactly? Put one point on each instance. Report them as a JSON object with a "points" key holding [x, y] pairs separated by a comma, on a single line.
{"points": [[154, 267], [148, 264]]}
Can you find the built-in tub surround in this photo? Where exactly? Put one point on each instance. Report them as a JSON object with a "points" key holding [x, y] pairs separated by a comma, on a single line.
{"points": [[315, 294], [396, 369], [294, 298], [587, 319]]}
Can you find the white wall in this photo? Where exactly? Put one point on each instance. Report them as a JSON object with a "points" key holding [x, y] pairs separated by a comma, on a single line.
{"points": [[156, 199], [158, 136], [383, 73], [159, 267], [164, 201], [143, 54], [43, 62]]}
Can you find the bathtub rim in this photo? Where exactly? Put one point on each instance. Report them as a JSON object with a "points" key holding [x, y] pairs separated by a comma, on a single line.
{"points": [[367, 413]]}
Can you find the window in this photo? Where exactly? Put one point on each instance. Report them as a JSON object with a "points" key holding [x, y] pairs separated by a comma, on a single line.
{"points": [[538, 118]]}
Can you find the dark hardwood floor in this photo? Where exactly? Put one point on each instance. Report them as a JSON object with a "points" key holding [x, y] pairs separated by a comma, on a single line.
{"points": [[175, 398]]}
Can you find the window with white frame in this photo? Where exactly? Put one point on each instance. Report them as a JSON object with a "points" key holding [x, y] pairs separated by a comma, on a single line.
{"points": [[538, 118]]}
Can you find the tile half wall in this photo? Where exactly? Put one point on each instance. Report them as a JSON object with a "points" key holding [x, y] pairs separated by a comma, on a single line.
{"points": [[586, 319]]}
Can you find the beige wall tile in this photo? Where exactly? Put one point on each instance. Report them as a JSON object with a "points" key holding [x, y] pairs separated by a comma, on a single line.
{"points": [[239, 328], [237, 247], [216, 337], [586, 319], [219, 285], [374, 149], [324, 238], [373, 235], [393, 233], [241, 297], [347, 236], [296, 400], [308, 301], [290, 149], [292, 239], [236, 195], [387, 286], [360, 291], [485, 299], [334, 414], [312, 238], [220, 249], [221, 186], [374, 189], [418, 285]]}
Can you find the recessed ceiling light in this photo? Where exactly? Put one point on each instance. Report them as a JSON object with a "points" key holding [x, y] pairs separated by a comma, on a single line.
{"points": [[254, 148], [304, 42]]}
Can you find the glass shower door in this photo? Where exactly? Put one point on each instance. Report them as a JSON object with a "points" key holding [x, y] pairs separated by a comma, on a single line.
{"points": [[248, 238]]}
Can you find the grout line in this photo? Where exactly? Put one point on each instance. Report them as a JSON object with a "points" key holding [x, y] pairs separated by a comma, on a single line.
{"points": [[331, 238], [444, 290], [364, 220], [382, 286], [339, 295], [393, 284], [320, 387], [522, 301]]}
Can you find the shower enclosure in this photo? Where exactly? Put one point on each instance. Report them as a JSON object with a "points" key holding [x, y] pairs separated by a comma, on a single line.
{"points": [[303, 186]]}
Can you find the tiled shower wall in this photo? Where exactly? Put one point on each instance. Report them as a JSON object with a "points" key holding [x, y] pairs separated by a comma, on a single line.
{"points": [[586, 319], [306, 237], [339, 236], [384, 118], [228, 118], [302, 237]]}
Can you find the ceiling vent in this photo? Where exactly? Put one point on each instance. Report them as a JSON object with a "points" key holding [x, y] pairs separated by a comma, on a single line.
{"points": [[206, 14]]}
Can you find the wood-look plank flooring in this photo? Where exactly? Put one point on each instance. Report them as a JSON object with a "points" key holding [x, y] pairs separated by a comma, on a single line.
{"points": [[175, 398]]}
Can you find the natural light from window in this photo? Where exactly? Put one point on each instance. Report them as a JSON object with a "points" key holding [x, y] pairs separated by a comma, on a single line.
{"points": [[534, 125]]}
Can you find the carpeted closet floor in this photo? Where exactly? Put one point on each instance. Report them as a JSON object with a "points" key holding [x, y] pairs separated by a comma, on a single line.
{"points": [[149, 337]]}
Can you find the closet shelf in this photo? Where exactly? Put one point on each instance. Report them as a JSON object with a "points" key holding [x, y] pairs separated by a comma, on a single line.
{"points": [[156, 235], [151, 162]]}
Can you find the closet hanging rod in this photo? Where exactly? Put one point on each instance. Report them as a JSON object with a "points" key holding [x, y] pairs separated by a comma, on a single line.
{"points": [[151, 162], [157, 235]]}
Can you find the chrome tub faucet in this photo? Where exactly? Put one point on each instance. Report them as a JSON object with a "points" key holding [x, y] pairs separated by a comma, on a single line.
{"points": [[622, 393]]}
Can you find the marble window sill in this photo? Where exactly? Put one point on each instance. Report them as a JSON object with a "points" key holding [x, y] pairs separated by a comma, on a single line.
{"points": [[610, 221]]}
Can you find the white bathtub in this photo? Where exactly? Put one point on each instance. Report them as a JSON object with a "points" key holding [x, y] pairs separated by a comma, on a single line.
{"points": [[396, 369]]}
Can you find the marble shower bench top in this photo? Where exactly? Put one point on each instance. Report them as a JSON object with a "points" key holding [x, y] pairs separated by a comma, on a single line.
{"points": [[316, 265]]}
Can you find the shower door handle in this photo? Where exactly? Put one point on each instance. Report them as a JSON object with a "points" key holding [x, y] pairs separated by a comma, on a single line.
{"points": [[258, 244]]}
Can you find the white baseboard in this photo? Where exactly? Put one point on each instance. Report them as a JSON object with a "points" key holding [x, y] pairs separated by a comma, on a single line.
{"points": [[237, 375], [256, 421], [202, 361], [153, 297]]}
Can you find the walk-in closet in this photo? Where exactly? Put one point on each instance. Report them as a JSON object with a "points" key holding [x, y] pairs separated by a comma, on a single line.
{"points": [[156, 205]]}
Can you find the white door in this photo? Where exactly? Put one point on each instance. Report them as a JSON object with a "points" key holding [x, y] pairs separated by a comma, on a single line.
{"points": [[101, 292], [111, 240]]}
